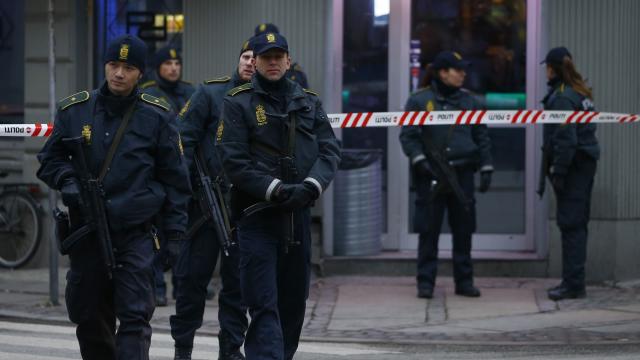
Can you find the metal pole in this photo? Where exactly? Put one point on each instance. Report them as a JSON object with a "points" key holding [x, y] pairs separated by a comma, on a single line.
{"points": [[53, 248]]}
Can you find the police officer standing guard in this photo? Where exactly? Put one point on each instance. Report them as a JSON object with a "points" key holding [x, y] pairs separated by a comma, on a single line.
{"points": [[147, 176], [198, 122], [570, 156], [444, 160], [279, 152], [167, 84], [175, 92]]}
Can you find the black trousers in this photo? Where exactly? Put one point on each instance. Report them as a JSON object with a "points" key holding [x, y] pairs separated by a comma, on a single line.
{"points": [[193, 272], [94, 301], [573, 212], [429, 214]]}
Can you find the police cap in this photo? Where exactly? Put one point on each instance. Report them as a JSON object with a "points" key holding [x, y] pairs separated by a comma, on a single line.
{"points": [[449, 59], [129, 49], [247, 45], [265, 28], [556, 55], [267, 41], [166, 53]]}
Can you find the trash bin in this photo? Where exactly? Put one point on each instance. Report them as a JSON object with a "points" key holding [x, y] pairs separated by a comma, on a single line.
{"points": [[358, 203]]}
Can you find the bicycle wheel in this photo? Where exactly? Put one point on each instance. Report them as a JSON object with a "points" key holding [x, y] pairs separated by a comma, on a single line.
{"points": [[19, 229]]}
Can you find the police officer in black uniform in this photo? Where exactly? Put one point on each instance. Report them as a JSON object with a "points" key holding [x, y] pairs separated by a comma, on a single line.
{"points": [[295, 72], [466, 149], [168, 84], [198, 122], [571, 153], [170, 88], [280, 153], [147, 176]]}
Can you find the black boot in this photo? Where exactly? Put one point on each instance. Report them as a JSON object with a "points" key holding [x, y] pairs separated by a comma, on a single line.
{"points": [[182, 353], [564, 292], [227, 350]]}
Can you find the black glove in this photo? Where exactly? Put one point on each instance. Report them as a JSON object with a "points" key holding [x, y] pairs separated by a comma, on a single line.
{"points": [[282, 192], [301, 196], [557, 181], [70, 191], [485, 181], [174, 247], [422, 168]]}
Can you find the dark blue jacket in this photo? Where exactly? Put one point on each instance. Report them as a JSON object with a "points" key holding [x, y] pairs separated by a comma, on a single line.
{"points": [[253, 136], [147, 175], [463, 145], [562, 141], [176, 94], [198, 121]]}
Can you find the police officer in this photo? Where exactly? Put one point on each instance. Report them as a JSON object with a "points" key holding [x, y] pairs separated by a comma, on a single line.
{"points": [[175, 92], [571, 153], [295, 72], [167, 84], [198, 122], [280, 153], [465, 149], [147, 175]]}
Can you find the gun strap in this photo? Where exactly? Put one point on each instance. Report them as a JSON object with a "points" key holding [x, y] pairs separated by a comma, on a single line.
{"points": [[291, 148], [116, 141]]}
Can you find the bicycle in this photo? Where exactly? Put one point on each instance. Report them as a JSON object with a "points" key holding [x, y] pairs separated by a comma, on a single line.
{"points": [[20, 223]]}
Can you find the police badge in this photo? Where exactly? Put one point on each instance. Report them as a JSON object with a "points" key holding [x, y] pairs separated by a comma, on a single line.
{"points": [[261, 115]]}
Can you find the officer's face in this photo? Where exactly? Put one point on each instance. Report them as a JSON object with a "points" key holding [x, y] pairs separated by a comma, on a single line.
{"points": [[550, 73], [121, 77], [170, 70], [273, 64], [246, 65], [452, 77]]}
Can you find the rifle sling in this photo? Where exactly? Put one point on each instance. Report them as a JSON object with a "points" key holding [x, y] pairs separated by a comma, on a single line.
{"points": [[116, 140]]}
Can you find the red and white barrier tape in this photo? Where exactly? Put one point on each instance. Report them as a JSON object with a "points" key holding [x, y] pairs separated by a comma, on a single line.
{"points": [[414, 118]]}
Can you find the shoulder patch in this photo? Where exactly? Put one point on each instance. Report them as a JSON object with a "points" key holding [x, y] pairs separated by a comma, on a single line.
{"points": [[73, 99], [311, 92], [148, 84], [224, 79], [155, 101], [238, 89]]}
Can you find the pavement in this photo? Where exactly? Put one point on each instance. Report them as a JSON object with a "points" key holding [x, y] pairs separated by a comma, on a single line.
{"points": [[385, 310]]}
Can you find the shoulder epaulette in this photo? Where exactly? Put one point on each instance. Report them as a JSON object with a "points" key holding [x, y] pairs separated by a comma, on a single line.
{"points": [[155, 101], [73, 99], [223, 79], [419, 90], [238, 89], [311, 92], [148, 84]]}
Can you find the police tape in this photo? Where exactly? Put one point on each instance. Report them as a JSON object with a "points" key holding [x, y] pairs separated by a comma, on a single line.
{"points": [[414, 118]]}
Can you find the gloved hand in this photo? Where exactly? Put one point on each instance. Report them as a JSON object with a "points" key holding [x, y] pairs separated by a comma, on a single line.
{"points": [[174, 246], [557, 181], [301, 196], [282, 192], [485, 181], [422, 168], [70, 191]]}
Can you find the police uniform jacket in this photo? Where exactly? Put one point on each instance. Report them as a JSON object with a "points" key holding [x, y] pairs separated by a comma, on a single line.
{"points": [[198, 121], [175, 94], [463, 145], [147, 175], [562, 141], [253, 136]]}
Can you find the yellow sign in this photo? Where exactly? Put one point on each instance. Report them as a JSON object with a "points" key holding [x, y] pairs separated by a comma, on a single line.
{"points": [[124, 51], [172, 53], [220, 131], [261, 115], [271, 38], [430, 106], [86, 134]]}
